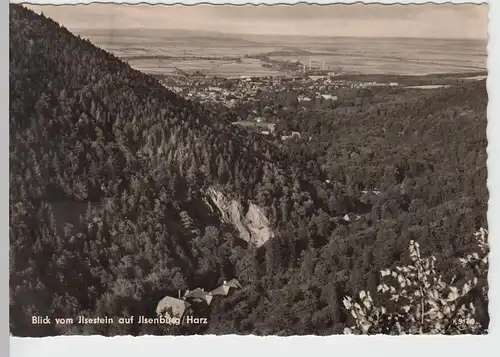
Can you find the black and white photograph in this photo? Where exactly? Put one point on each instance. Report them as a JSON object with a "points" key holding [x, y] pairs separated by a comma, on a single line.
{"points": [[282, 170]]}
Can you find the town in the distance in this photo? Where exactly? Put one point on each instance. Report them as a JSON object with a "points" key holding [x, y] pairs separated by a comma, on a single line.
{"points": [[263, 103]]}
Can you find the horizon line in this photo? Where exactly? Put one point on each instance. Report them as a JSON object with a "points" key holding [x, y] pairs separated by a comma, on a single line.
{"points": [[273, 34]]}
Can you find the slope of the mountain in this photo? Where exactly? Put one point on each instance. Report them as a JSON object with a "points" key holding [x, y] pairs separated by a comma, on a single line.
{"points": [[104, 161], [122, 192], [71, 102]]}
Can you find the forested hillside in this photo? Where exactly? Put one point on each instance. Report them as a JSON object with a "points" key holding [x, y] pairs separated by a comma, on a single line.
{"points": [[110, 211]]}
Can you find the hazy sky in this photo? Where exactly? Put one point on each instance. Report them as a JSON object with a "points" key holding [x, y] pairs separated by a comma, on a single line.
{"points": [[466, 21]]}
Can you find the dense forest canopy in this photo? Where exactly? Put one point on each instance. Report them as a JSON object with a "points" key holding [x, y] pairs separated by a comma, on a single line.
{"points": [[107, 166]]}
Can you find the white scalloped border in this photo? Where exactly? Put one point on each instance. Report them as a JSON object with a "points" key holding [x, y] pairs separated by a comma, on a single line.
{"points": [[302, 346]]}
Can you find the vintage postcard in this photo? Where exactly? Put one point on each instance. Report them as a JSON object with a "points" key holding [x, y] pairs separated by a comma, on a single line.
{"points": [[248, 170]]}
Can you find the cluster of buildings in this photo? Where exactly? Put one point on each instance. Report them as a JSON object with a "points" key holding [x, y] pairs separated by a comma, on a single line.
{"points": [[183, 306], [262, 102], [244, 89]]}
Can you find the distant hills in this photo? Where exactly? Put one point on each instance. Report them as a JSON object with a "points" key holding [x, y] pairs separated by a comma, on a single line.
{"points": [[374, 20]]}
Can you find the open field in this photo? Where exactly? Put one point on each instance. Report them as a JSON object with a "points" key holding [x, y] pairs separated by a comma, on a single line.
{"points": [[225, 68], [429, 86], [162, 51]]}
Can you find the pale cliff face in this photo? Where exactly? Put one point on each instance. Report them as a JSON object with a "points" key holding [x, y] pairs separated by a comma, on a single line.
{"points": [[252, 225], [467, 21]]}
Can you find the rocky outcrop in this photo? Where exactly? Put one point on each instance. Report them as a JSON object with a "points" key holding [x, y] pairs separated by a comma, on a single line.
{"points": [[251, 223]]}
